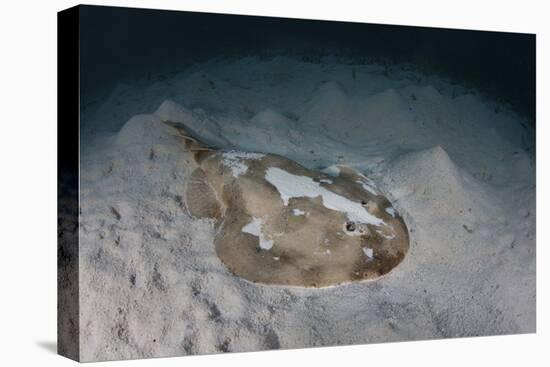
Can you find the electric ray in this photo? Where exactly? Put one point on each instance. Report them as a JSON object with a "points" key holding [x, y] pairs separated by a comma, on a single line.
{"points": [[280, 223]]}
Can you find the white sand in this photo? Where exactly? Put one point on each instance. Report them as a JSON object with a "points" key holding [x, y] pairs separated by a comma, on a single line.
{"points": [[298, 212], [456, 165], [237, 161], [255, 228]]}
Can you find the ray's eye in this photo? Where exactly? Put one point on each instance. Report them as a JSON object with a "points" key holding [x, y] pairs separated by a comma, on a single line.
{"points": [[350, 226], [363, 202]]}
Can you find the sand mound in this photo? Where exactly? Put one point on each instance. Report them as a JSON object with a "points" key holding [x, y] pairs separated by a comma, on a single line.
{"points": [[386, 113], [270, 131], [431, 176], [328, 103]]}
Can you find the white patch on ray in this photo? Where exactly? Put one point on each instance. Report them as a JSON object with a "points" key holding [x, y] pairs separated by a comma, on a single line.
{"points": [[237, 161], [388, 237], [255, 228], [367, 184], [298, 212], [368, 252], [333, 171], [293, 186], [367, 187]]}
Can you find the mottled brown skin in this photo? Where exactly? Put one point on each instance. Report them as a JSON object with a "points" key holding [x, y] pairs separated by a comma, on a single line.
{"points": [[299, 255]]}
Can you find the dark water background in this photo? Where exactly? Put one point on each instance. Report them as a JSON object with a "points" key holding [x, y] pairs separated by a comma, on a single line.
{"points": [[119, 44]]}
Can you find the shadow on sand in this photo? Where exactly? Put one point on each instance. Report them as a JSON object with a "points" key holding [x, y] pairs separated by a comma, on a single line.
{"points": [[50, 346]]}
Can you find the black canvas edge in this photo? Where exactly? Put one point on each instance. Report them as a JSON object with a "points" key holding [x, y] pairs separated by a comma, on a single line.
{"points": [[68, 95]]}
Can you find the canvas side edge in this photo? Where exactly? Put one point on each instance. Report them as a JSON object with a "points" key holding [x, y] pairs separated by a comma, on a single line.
{"points": [[68, 320]]}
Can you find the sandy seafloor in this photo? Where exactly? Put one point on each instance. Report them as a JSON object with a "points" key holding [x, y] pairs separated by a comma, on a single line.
{"points": [[458, 166]]}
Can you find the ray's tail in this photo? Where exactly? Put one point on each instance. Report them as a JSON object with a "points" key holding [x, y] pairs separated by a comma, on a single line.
{"points": [[191, 141]]}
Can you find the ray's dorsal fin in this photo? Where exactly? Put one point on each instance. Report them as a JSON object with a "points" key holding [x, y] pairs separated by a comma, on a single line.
{"points": [[192, 140]]}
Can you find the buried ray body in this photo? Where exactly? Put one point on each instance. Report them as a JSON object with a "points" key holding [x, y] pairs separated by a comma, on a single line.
{"points": [[283, 224]]}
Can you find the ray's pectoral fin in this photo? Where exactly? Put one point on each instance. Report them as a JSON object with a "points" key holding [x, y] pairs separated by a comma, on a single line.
{"points": [[201, 198]]}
